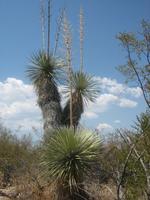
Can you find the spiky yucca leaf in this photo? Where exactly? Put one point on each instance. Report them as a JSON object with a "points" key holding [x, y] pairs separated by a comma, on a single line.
{"points": [[43, 66], [68, 156], [85, 85], [85, 89], [44, 71]]}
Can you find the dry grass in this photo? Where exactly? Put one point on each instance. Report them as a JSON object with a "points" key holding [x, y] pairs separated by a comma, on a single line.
{"points": [[101, 192], [26, 188]]}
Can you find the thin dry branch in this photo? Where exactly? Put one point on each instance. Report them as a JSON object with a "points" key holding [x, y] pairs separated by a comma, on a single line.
{"points": [[137, 74], [139, 157], [142, 164], [124, 171]]}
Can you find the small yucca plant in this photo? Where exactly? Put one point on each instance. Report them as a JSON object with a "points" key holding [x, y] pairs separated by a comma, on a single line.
{"points": [[68, 157]]}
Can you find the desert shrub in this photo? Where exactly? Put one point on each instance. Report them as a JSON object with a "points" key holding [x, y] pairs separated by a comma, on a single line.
{"points": [[17, 156]]}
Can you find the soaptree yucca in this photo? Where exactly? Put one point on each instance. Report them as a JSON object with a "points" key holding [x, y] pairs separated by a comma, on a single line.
{"points": [[43, 72], [85, 89], [68, 157]]}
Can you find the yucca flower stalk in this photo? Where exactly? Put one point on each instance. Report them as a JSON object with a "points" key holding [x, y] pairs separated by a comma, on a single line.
{"points": [[81, 16], [42, 13], [85, 89], [49, 27], [43, 72], [68, 157], [67, 37]]}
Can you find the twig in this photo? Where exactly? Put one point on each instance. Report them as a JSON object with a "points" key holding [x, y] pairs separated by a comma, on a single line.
{"points": [[137, 75], [108, 188], [124, 171]]}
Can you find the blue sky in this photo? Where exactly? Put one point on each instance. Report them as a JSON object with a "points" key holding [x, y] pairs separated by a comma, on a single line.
{"points": [[20, 36]]}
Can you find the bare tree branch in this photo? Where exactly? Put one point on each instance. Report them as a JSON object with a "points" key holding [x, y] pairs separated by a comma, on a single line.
{"points": [[137, 74], [124, 172]]}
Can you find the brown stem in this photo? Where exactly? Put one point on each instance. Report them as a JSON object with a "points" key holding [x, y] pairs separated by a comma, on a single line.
{"points": [[124, 171], [138, 77]]}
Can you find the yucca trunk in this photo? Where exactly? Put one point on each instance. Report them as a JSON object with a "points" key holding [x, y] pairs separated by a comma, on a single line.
{"points": [[49, 102], [77, 110], [64, 193]]}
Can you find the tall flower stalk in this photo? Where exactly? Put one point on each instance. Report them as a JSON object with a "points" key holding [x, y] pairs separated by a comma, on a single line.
{"points": [[42, 7], [81, 37], [68, 46]]}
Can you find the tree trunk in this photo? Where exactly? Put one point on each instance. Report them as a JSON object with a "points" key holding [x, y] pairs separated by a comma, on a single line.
{"points": [[51, 116], [64, 193], [49, 102]]}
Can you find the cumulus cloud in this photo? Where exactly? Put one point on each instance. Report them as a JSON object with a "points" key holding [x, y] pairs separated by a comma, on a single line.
{"points": [[126, 103], [102, 103], [104, 127], [113, 93], [18, 107], [90, 115], [113, 87], [117, 121]]}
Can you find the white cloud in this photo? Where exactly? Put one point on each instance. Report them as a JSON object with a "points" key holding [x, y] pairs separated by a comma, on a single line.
{"points": [[126, 103], [110, 85], [113, 93], [104, 127], [105, 99], [113, 87], [117, 121], [15, 90], [136, 92], [18, 105], [104, 102], [90, 115], [101, 104]]}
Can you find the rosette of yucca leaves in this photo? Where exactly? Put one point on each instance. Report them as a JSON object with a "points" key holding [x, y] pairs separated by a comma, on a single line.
{"points": [[44, 71], [68, 157], [85, 89]]}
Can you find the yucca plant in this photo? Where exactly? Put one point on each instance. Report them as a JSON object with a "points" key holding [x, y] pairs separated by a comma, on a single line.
{"points": [[43, 72], [84, 89], [68, 157]]}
